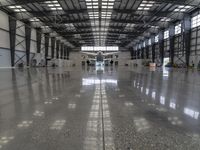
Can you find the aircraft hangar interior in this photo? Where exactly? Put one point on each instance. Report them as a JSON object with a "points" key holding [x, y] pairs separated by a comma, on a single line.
{"points": [[99, 74]]}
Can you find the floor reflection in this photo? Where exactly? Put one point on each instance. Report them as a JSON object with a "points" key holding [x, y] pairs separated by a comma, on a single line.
{"points": [[99, 126], [93, 139], [99, 110]]}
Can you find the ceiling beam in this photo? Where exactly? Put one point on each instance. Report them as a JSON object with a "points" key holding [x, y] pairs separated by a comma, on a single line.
{"points": [[148, 13], [61, 14], [125, 21]]}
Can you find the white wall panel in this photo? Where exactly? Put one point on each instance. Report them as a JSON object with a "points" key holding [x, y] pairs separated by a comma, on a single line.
{"points": [[33, 47], [5, 58], [4, 23], [33, 35], [124, 58], [75, 57], [5, 39], [49, 52]]}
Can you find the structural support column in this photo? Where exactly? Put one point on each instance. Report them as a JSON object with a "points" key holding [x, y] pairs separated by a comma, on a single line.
{"points": [[46, 46], [147, 48], [61, 50], [138, 52], [135, 54], [153, 48], [161, 46], [65, 52], [68, 51], [187, 37], [57, 48], [171, 43], [12, 33], [142, 50], [28, 42], [131, 53], [38, 39], [53, 40]]}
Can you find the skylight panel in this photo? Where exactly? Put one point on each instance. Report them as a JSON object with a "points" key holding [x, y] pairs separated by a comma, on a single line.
{"points": [[129, 26], [165, 19], [34, 19], [17, 8], [70, 26], [146, 5], [105, 15], [54, 5], [182, 8]]}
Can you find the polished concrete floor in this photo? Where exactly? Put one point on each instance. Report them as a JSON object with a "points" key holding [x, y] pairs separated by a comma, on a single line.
{"points": [[93, 109]]}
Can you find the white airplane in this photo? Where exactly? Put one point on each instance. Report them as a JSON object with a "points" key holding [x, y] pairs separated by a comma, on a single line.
{"points": [[99, 55]]}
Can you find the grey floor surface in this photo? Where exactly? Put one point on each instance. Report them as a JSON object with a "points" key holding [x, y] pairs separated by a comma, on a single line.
{"points": [[89, 109]]}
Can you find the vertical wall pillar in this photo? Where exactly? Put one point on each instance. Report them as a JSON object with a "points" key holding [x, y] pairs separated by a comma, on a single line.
{"points": [[147, 48], [38, 39], [68, 51], [57, 48], [46, 46], [187, 37], [131, 53], [142, 50], [171, 42], [138, 51], [12, 33], [28, 42], [61, 50], [153, 48], [65, 52], [53, 40], [161, 46], [135, 54]]}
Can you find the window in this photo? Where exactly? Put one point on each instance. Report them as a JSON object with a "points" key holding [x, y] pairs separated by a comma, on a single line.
{"points": [[196, 21], [156, 38], [87, 48], [178, 29], [144, 44], [112, 48], [99, 48], [149, 41], [166, 34]]}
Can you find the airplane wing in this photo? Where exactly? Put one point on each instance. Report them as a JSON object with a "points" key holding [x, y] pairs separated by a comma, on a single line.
{"points": [[92, 59], [107, 54], [91, 54]]}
